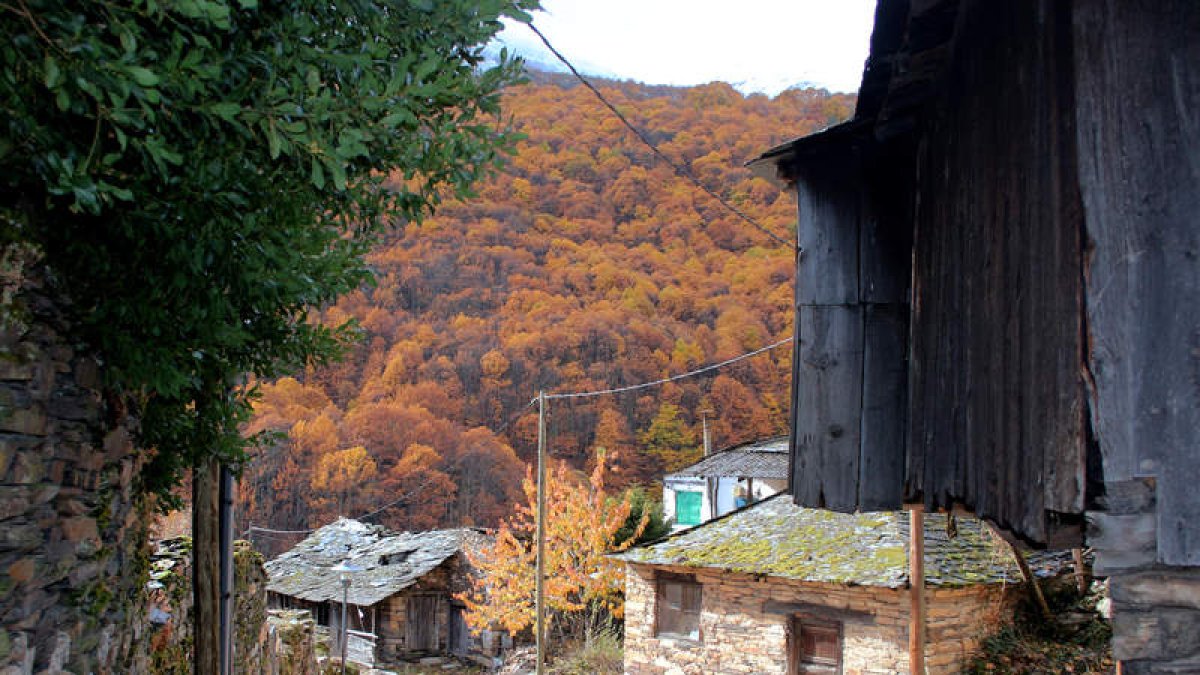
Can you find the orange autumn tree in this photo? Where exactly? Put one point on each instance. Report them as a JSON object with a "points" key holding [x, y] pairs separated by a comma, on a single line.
{"points": [[582, 586]]}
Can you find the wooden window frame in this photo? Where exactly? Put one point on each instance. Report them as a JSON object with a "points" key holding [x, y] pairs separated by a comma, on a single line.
{"points": [[796, 663], [660, 581]]}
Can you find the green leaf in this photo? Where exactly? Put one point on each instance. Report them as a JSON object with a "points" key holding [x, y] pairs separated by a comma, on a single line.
{"points": [[248, 4], [143, 76], [52, 75], [337, 171], [274, 145], [317, 174], [226, 110], [128, 42]]}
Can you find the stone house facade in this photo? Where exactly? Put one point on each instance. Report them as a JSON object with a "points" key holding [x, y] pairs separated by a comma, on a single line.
{"points": [[748, 623], [777, 588]]}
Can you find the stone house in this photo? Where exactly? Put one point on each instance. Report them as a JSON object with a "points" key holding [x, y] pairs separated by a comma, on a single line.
{"points": [[400, 599], [724, 481], [777, 588]]}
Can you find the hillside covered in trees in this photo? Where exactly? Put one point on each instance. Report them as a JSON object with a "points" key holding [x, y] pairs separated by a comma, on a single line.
{"points": [[586, 264]]}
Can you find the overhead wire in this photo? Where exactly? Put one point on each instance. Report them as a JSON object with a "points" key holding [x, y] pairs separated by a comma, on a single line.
{"points": [[680, 170], [673, 378]]}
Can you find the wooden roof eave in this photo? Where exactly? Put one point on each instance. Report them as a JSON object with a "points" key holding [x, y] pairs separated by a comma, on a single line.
{"points": [[786, 163]]}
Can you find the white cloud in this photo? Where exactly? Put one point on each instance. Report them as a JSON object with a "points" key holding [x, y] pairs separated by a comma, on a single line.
{"points": [[757, 45]]}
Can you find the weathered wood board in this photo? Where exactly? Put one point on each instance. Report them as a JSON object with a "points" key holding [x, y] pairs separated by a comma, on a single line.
{"points": [[1140, 174], [825, 464], [997, 397]]}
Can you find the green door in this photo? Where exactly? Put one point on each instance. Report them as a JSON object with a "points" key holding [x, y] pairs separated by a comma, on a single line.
{"points": [[687, 508]]}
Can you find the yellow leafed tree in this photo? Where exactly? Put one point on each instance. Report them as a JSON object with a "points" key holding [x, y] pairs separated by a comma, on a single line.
{"points": [[340, 483], [580, 584]]}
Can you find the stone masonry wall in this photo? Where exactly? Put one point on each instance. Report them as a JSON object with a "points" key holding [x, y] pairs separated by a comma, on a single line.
{"points": [[72, 528], [740, 633], [1155, 608], [281, 643]]}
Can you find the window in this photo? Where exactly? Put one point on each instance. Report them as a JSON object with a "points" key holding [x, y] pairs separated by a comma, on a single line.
{"points": [[816, 646], [687, 508], [677, 611]]}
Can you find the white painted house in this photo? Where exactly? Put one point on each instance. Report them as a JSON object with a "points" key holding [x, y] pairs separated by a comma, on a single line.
{"points": [[725, 481]]}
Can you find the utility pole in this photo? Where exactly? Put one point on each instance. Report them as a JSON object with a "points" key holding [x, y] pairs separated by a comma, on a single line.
{"points": [[539, 592], [206, 567], [225, 555], [707, 440]]}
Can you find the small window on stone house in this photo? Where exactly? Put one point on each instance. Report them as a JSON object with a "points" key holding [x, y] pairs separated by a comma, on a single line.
{"points": [[816, 647], [677, 607]]}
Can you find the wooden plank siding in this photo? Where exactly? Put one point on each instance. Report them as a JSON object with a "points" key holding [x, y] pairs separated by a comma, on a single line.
{"points": [[1140, 171], [997, 407], [849, 376], [1000, 280]]}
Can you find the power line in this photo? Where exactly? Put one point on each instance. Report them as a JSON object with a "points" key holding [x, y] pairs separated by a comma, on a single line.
{"points": [[267, 530], [673, 378], [680, 170]]}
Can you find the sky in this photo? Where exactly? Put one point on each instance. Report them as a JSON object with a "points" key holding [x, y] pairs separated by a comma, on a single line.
{"points": [[756, 45]]}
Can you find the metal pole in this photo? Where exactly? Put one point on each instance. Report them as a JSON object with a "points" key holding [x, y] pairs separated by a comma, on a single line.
{"points": [[225, 555], [345, 597], [707, 440], [540, 598]]}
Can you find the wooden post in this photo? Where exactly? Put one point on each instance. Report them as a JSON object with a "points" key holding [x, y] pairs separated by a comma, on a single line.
{"points": [[916, 583], [1030, 578], [206, 646], [1081, 581], [539, 592], [225, 556]]}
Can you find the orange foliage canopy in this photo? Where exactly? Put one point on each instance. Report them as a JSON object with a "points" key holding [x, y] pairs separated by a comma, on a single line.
{"points": [[586, 264]]}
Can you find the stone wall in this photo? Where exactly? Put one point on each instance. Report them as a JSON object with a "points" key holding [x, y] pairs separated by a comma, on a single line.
{"points": [[1155, 608], [744, 624], [279, 643], [72, 528], [293, 641]]}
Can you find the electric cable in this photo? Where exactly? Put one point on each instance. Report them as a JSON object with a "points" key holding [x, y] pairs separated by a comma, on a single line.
{"points": [[680, 170]]}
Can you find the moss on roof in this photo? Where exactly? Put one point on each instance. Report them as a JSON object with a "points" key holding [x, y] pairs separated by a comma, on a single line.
{"points": [[777, 538]]}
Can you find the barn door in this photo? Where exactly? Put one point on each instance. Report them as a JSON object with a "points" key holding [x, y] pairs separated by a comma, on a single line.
{"points": [[460, 634], [422, 623]]}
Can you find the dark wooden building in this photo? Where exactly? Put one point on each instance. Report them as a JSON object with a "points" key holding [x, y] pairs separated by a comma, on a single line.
{"points": [[400, 596], [998, 286]]}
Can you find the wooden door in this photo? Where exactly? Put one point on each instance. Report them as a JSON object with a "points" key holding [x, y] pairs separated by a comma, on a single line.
{"points": [[422, 623], [460, 634]]}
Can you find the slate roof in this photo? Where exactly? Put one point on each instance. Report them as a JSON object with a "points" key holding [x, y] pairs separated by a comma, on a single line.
{"points": [[761, 459], [390, 561], [777, 538]]}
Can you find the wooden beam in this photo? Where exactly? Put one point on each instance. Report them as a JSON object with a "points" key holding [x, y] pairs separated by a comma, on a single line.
{"points": [[916, 584], [817, 611]]}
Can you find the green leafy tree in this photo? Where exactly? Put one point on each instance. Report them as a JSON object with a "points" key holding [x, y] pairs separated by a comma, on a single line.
{"points": [[669, 438], [197, 174]]}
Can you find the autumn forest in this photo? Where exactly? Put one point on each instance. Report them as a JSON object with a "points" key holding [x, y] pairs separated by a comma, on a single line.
{"points": [[586, 263]]}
